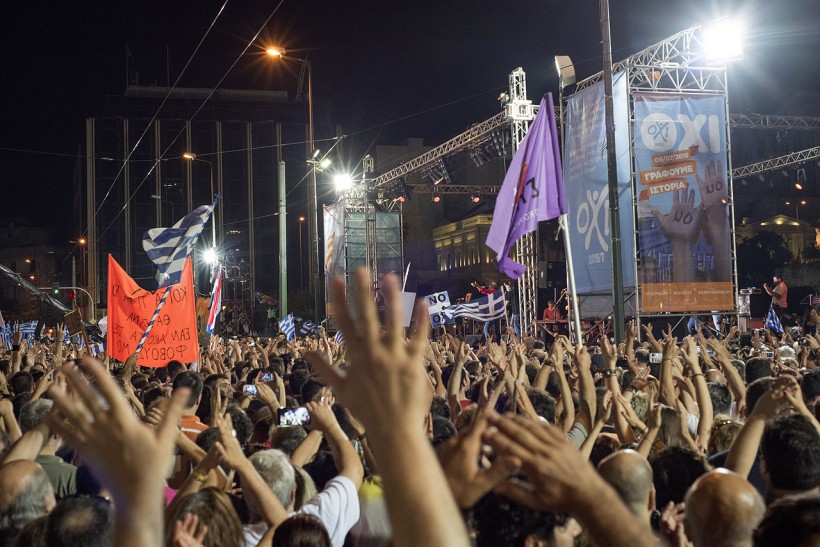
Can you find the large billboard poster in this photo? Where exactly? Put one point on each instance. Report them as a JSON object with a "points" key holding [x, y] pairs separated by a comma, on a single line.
{"points": [[586, 180], [684, 228], [334, 222]]}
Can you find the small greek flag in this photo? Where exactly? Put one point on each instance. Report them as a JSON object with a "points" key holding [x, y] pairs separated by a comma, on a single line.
{"points": [[287, 326], [487, 308], [340, 339], [169, 247], [27, 329], [96, 349], [308, 327], [773, 322]]}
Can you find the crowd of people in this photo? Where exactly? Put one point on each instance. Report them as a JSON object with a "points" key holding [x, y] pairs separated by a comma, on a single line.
{"points": [[397, 437]]}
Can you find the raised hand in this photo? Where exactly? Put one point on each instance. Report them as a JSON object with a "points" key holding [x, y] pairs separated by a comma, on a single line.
{"points": [[460, 458], [386, 387], [713, 189], [385, 384], [682, 223], [185, 533], [127, 456]]}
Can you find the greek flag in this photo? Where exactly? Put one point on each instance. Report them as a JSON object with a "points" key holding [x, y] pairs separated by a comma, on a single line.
{"points": [[216, 303], [773, 322], [96, 349], [488, 308], [27, 330], [287, 326], [169, 247], [340, 339], [308, 327], [5, 335]]}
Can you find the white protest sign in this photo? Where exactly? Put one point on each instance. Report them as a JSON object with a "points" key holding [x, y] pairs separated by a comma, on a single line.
{"points": [[436, 302], [408, 300]]}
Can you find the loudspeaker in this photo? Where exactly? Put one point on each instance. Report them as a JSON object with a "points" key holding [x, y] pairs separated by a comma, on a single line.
{"points": [[552, 275]]}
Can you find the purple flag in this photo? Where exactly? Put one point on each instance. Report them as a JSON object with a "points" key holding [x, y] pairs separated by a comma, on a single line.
{"points": [[533, 189]]}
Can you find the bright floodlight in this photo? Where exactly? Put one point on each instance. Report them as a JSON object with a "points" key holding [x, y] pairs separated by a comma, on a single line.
{"points": [[275, 51], [723, 42], [343, 182], [324, 163], [209, 255]]}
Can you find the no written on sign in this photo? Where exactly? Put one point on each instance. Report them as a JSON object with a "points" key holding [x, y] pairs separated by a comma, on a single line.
{"points": [[130, 307]]}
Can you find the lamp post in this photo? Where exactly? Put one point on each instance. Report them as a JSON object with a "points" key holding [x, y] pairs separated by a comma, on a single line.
{"points": [[301, 256], [190, 156], [313, 206], [797, 208]]}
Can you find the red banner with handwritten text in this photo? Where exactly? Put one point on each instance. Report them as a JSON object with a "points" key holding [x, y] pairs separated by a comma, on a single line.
{"points": [[130, 308]]}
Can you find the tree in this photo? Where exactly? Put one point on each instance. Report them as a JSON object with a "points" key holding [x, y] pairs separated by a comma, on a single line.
{"points": [[759, 256]]}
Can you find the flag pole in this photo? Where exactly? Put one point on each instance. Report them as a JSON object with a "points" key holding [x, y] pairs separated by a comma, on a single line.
{"points": [[151, 322], [576, 317]]}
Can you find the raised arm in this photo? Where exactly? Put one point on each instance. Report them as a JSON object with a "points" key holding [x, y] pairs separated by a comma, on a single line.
{"points": [[742, 455], [30, 444], [704, 400], [736, 385], [667, 395], [128, 457], [386, 388], [560, 480], [611, 377], [344, 455], [589, 400]]}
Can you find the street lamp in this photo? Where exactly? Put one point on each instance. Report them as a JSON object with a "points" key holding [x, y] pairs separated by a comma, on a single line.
{"points": [[313, 205], [301, 255], [343, 182], [190, 156], [797, 208]]}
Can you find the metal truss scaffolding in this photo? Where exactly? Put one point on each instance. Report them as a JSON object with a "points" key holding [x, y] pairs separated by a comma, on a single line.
{"points": [[456, 144], [521, 112], [677, 65], [763, 121], [775, 163], [467, 189]]}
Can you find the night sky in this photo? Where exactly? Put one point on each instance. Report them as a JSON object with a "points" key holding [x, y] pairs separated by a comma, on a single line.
{"points": [[385, 70]]}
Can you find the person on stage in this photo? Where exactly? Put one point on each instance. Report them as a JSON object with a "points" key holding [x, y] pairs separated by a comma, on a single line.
{"points": [[778, 292], [488, 289]]}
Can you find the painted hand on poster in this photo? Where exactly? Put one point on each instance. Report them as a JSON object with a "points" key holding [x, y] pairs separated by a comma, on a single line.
{"points": [[682, 223], [714, 194], [713, 189], [681, 227]]}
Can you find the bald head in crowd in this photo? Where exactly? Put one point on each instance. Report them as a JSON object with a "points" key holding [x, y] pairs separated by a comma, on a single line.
{"points": [[25, 494], [631, 476], [722, 508]]}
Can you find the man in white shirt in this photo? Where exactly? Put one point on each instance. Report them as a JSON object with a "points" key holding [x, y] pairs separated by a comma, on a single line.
{"points": [[337, 505]]}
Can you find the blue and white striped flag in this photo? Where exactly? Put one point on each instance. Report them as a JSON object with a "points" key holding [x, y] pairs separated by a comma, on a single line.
{"points": [[169, 247], [5, 335], [487, 308], [773, 322], [340, 339], [308, 327], [27, 330], [297, 319], [96, 349], [287, 326]]}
